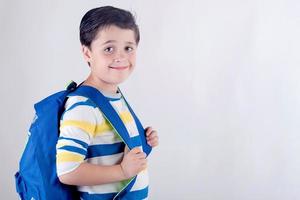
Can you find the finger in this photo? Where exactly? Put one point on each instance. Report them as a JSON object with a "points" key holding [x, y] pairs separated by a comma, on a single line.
{"points": [[152, 139], [153, 143], [141, 155], [148, 130], [126, 150], [152, 135], [136, 150]]}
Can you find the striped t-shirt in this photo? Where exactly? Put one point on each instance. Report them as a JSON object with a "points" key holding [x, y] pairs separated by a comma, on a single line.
{"points": [[86, 136]]}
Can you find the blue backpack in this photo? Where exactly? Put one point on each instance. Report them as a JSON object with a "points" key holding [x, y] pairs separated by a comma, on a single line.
{"points": [[37, 178]]}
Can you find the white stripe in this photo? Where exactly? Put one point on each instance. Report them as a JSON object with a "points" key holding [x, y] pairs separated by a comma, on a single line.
{"points": [[107, 137], [75, 133], [77, 99], [142, 181], [101, 189], [64, 150], [69, 143], [107, 160], [118, 105], [74, 99], [81, 113], [132, 129]]}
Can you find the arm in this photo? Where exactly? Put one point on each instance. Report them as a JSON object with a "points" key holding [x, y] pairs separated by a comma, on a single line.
{"points": [[90, 174]]}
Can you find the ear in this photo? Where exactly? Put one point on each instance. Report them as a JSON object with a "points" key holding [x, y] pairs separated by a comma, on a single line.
{"points": [[86, 52]]}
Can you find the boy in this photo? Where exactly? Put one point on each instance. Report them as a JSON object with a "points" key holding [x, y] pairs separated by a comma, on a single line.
{"points": [[90, 154]]}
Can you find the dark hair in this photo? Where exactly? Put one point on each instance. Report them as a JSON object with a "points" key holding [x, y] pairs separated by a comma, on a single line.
{"points": [[99, 18]]}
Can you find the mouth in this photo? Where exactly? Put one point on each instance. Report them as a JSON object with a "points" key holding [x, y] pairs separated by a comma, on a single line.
{"points": [[119, 67]]}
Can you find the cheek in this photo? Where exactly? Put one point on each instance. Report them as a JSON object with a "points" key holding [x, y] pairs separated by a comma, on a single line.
{"points": [[103, 60], [132, 58], [105, 57]]}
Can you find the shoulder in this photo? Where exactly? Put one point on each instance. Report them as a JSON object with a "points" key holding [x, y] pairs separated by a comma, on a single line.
{"points": [[75, 101], [81, 108]]}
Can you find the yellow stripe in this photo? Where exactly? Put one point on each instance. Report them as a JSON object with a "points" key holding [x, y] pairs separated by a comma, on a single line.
{"points": [[68, 157], [93, 129], [126, 117], [106, 126], [85, 126], [102, 128]]}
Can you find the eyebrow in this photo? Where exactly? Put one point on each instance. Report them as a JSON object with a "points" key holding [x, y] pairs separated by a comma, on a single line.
{"points": [[113, 41]]}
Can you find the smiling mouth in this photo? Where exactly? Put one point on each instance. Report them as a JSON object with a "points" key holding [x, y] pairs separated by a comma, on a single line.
{"points": [[119, 67]]}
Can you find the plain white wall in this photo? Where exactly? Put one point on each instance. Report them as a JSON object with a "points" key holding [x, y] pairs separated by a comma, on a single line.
{"points": [[218, 79]]}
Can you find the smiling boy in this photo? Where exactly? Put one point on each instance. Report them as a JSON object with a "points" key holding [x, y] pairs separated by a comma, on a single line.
{"points": [[90, 154]]}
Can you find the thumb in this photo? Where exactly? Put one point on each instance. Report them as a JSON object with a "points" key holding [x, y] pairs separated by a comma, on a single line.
{"points": [[136, 150], [126, 150]]}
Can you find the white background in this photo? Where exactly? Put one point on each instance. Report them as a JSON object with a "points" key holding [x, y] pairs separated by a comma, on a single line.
{"points": [[218, 79]]}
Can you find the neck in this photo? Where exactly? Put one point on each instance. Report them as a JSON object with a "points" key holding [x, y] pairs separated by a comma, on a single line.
{"points": [[100, 85]]}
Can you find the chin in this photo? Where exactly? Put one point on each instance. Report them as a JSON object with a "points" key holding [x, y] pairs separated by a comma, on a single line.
{"points": [[117, 82], [120, 80]]}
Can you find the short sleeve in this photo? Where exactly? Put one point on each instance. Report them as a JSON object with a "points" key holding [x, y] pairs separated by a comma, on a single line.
{"points": [[77, 127]]}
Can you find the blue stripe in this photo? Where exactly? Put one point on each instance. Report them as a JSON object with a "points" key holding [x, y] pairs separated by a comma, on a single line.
{"points": [[82, 103], [113, 99], [74, 149], [136, 195], [83, 144], [105, 149]]}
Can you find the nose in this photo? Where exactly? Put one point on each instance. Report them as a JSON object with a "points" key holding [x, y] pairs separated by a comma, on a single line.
{"points": [[120, 56]]}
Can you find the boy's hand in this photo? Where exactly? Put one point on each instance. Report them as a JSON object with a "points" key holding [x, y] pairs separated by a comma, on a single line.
{"points": [[133, 162], [151, 137]]}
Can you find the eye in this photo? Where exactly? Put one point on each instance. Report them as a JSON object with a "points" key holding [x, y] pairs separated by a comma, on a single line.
{"points": [[129, 49], [109, 49]]}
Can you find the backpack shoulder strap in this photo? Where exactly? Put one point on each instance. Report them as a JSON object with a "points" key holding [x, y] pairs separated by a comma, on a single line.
{"points": [[147, 148]]}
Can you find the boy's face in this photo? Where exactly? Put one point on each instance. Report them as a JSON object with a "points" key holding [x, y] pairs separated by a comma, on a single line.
{"points": [[112, 55]]}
